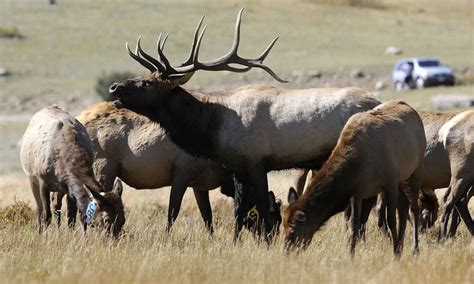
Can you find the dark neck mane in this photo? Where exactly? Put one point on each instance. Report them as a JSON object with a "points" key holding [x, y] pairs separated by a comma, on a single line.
{"points": [[190, 120]]}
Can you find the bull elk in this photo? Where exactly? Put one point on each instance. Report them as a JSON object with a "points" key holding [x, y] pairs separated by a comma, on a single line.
{"points": [[254, 130], [377, 150], [56, 155]]}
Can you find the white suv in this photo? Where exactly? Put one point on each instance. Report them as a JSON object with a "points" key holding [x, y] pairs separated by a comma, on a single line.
{"points": [[421, 72]]}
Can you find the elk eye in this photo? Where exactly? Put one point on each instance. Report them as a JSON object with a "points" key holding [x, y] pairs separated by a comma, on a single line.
{"points": [[300, 216]]}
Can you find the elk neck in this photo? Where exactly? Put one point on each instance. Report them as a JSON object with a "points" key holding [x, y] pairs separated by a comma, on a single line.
{"points": [[330, 188], [191, 121]]}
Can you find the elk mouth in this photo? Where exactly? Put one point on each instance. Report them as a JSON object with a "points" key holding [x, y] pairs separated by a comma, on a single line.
{"points": [[118, 90]]}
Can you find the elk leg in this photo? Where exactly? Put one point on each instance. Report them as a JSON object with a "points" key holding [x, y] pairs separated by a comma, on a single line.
{"points": [[71, 211], [356, 204], [402, 218], [347, 216], [463, 210], [46, 202], [455, 220], [39, 204], [202, 200], [413, 193], [458, 188], [240, 206], [178, 189], [261, 190], [367, 205], [299, 179], [391, 201], [57, 199], [381, 208]]}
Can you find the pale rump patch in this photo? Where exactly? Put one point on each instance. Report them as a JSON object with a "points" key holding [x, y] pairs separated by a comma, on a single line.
{"points": [[446, 128]]}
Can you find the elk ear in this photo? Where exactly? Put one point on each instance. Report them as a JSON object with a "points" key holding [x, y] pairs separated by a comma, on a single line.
{"points": [[292, 195], [118, 187], [181, 79], [272, 204], [300, 216], [97, 196]]}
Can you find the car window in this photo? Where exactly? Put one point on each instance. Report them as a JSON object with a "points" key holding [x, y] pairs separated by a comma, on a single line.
{"points": [[400, 66], [406, 66], [429, 63]]}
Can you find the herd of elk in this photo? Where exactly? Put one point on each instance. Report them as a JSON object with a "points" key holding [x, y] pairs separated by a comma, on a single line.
{"points": [[443, 166], [253, 130], [158, 134], [131, 147]]}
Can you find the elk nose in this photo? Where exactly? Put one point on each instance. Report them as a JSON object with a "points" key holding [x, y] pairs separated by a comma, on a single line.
{"points": [[113, 88]]}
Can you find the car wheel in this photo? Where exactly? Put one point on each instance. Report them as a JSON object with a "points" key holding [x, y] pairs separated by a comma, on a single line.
{"points": [[399, 86], [420, 83]]}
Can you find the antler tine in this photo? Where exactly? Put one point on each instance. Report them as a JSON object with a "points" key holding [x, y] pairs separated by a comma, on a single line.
{"points": [[193, 46], [235, 44], [266, 51], [160, 44], [140, 60], [196, 50], [139, 51], [270, 71]]}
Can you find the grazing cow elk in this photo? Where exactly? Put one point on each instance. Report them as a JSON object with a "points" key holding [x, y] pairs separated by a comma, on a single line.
{"points": [[253, 130], [437, 170], [457, 137], [56, 155], [137, 150], [377, 150]]}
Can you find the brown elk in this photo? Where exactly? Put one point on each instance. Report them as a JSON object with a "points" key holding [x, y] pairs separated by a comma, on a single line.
{"points": [[254, 130], [131, 147], [56, 155], [457, 138], [377, 150], [444, 165], [437, 173]]}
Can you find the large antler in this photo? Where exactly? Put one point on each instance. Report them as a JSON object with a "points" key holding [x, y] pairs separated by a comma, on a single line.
{"points": [[192, 64]]}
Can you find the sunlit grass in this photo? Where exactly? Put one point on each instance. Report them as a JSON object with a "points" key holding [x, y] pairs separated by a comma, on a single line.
{"points": [[188, 254]]}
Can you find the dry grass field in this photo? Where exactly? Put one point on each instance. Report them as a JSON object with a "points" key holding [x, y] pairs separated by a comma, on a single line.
{"points": [[189, 255], [67, 46]]}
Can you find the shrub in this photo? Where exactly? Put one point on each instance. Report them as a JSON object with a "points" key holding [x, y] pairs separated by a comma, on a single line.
{"points": [[353, 3], [465, 78], [18, 214], [105, 80], [10, 32]]}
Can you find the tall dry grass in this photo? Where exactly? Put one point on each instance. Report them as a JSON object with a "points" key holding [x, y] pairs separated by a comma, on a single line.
{"points": [[189, 255]]}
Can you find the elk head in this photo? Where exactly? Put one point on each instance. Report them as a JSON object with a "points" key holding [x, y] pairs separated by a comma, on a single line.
{"points": [[297, 231], [428, 204], [109, 212], [164, 77]]}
